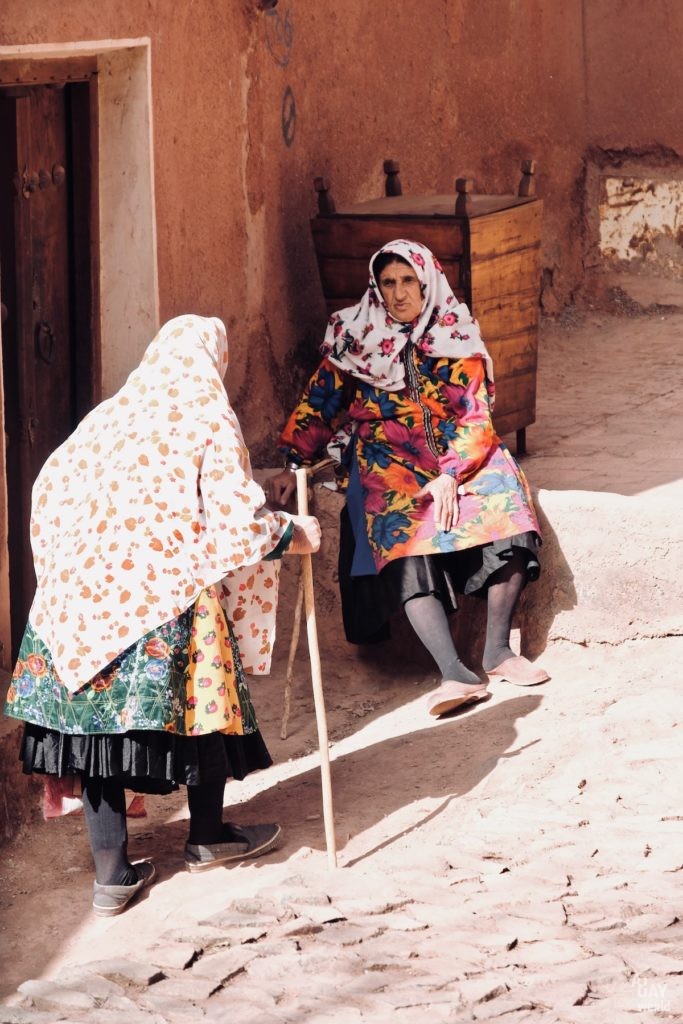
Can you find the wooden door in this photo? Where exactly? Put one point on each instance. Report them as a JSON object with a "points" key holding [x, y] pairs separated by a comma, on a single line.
{"points": [[48, 338]]}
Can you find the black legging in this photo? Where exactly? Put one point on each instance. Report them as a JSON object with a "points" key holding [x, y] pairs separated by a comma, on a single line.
{"points": [[104, 806], [428, 618]]}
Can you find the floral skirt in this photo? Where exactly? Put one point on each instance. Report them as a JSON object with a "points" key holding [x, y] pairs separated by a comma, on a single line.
{"points": [[172, 708]]}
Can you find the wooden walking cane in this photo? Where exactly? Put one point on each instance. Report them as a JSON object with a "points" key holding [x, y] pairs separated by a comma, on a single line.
{"points": [[316, 676]]}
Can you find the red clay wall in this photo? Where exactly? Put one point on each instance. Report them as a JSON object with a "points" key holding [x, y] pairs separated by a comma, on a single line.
{"points": [[634, 74], [448, 87]]}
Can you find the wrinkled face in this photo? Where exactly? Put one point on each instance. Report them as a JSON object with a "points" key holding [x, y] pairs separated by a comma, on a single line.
{"points": [[401, 292]]}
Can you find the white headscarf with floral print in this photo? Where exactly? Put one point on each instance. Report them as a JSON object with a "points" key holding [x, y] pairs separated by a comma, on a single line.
{"points": [[367, 341], [149, 501]]}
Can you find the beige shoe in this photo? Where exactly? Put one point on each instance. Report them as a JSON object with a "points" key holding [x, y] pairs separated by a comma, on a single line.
{"points": [[452, 694], [520, 671]]}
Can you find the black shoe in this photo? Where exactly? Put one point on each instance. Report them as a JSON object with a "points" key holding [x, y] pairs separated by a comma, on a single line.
{"points": [[249, 841]]}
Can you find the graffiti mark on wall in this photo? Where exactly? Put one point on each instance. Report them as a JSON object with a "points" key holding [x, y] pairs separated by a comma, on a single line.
{"points": [[279, 36], [280, 40], [288, 116]]}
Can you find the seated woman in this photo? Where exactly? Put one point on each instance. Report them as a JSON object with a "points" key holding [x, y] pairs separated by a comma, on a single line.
{"points": [[156, 591], [435, 504]]}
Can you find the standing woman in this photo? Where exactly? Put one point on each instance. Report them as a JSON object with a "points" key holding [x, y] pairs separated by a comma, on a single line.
{"points": [[435, 504], [156, 591]]}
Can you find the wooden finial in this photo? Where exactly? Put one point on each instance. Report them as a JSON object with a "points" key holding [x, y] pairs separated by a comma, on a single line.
{"points": [[325, 200], [392, 186], [527, 184], [463, 186]]}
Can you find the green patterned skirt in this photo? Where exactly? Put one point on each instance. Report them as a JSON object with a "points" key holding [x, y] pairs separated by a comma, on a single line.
{"points": [[131, 721]]}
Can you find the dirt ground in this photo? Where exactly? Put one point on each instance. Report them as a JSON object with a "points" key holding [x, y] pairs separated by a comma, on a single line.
{"points": [[522, 859]]}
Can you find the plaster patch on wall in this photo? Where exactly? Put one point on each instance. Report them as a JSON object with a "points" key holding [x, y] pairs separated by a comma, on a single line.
{"points": [[641, 220]]}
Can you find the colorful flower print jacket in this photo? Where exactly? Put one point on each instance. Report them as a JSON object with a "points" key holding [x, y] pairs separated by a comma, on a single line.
{"points": [[439, 423]]}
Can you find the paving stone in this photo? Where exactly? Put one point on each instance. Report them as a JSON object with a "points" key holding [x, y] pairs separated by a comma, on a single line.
{"points": [[397, 921], [670, 933], [49, 995], [416, 997], [591, 923], [230, 919], [318, 963], [345, 934], [28, 1015], [271, 946], [562, 994], [305, 897], [595, 1013], [550, 914], [407, 940], [271, 991], [502, 1008], [320, 914], [126, 972], [643, 959], [297, 889], [403, 971], [224, 1009], [525, 930], [432, 914], [100, 988], [186, 987], [300, 927], [273, 968], [481, 990], [175, 955], [479, 939], [202, 937], [427, 1011], [131, 1014], [547, 952], [354, 908], [647, 923], [222, 965], [604, 965], [173, 1008], [465, 881], [256, 907], [448, 968], [236, 928]]}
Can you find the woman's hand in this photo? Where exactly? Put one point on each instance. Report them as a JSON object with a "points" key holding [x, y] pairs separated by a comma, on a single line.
{"points": [[280, 487], [444, 492], [306, 536]]}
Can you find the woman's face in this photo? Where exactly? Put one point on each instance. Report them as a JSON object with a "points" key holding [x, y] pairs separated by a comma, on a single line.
{"points": [[400, 290]]}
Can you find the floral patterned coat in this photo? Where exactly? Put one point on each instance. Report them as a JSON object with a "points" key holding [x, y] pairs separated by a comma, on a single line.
{"points": [[440, 423]]}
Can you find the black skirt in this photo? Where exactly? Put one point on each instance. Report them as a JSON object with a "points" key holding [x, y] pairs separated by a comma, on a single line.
{"points": [[369, 602], [144, 761]]}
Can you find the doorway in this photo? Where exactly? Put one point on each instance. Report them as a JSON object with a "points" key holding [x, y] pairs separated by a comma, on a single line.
{"points": [[48, 282]]}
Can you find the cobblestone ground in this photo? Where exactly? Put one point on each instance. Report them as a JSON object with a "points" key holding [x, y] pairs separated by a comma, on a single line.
{"points": [[592, 948], [550, 891]]}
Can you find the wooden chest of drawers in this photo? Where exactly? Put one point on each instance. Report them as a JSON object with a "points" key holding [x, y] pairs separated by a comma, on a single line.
{"points": [[489, 247]]}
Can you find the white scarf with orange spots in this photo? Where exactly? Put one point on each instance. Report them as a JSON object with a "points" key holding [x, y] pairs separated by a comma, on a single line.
{"points": [[150, 500]]}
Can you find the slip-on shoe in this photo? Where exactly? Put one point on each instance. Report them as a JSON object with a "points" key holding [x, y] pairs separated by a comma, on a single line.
{"points": [[451, 695], [520, 671], [250, 841], [109, 900]]}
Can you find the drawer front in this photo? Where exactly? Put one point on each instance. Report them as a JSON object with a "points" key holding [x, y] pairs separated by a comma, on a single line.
{"points": [[361, 237]]}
